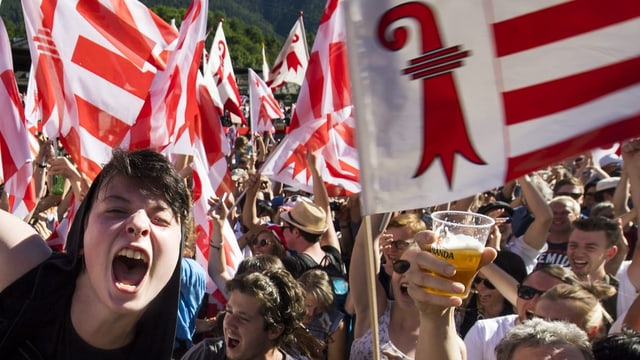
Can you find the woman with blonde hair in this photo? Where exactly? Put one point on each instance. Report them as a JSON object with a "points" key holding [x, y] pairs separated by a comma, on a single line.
{"points": [[579, 304]]}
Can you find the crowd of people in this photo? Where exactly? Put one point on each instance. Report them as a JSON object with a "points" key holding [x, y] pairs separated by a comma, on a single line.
{"points": [[559, 275]]}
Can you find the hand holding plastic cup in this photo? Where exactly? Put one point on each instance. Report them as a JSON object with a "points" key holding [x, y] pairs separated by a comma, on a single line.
{"points": [[460, 240]]}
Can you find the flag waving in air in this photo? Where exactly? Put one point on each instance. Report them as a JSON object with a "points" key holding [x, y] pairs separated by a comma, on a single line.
{"points": [[445, 111], [323, 117], [293, 59], [16, 169], [219, 64], [94, 63], [264, 106]]}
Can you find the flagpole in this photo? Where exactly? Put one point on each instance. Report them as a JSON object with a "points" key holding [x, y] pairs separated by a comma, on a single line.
{"points": [[371, 285], [304, 34]]}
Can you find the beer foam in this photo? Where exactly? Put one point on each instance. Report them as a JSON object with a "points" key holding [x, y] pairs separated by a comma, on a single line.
{"points": [[459, 242]]}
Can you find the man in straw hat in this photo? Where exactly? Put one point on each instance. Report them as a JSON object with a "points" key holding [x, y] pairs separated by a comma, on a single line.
{"points": [[303, 228]]}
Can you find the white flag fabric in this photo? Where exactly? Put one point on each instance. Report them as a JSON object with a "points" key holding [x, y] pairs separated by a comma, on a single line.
{"points": [[293, 59], [265, 66], [456, 97], [323, 116], [219, 64], [264, 106], [15, 156]]}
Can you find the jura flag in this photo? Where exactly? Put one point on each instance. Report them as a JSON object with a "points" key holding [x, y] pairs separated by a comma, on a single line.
{"points": [[456, 97], [264, 106], [292, 61]]}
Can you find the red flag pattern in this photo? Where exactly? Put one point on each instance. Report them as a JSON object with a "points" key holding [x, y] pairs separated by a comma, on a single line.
{"points": [[291, 64], [264, 106], [15, 155], [219, 64], [323, 118]]}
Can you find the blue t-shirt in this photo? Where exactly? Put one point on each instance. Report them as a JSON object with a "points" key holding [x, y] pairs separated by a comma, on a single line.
{"points": [[193, 282]]}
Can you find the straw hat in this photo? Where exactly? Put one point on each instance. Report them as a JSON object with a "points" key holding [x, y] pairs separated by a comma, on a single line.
{"points": [[306, 216]]}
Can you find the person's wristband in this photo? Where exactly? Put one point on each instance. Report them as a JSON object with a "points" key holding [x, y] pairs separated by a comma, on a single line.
{"points": [[215, 246], [42, 165]]}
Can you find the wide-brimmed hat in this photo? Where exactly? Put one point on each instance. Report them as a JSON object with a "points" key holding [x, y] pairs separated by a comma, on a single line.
{"points": [[306, 216], [607, 184], [496, 205]]}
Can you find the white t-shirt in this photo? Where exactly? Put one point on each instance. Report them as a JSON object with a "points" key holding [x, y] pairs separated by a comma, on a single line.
{"points": [[484, 336], [627, 293]]}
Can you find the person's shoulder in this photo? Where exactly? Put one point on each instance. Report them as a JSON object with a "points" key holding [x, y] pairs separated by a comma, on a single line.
{"points": [[496, 322], [485, 329], [207, 349]]}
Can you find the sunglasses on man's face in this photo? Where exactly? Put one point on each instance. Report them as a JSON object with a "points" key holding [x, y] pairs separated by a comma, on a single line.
{"points": [[477, 280], [401, 266], [527, 292], [574, 196]]}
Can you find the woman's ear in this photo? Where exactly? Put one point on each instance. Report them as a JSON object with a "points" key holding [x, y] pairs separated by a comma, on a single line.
{"points": [[275, 332]]}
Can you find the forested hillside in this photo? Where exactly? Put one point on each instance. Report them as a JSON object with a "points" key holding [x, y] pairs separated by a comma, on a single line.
{"points": [[248, 23]]}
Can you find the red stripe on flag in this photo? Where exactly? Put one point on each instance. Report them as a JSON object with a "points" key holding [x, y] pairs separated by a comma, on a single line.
{"points": [[560, 22], [539, 158], [315, 82], [126, 37], [73, 145], [100, 124], [534, 101], [338, 66], [111, 67]]}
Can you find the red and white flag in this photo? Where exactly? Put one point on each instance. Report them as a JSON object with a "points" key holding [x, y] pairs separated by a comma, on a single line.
{"points": [[203, 189], [171, 104], [15, 156], [219, 64], [456, 97], [94, 63], [293, 59], [323, 117], [264, 106]]}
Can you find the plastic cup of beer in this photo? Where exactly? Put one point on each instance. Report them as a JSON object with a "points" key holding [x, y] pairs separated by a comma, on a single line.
{"points": [[460, 240]]}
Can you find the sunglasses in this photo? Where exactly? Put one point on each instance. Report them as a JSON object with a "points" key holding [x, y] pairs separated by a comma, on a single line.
{"points": [[401, 244], [261, 242], [574, 196], [487, 283], [401, 266], [527, 292]]}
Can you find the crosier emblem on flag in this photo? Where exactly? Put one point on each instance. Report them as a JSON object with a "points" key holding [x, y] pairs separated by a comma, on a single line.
{"points": [[494, 99], [219, 64], [440, 98]]}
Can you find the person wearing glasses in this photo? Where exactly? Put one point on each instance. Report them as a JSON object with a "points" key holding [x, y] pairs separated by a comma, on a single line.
{"points": [[394, 241], [571, 187], [485, 301], [398, 319], [484, 335]]}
